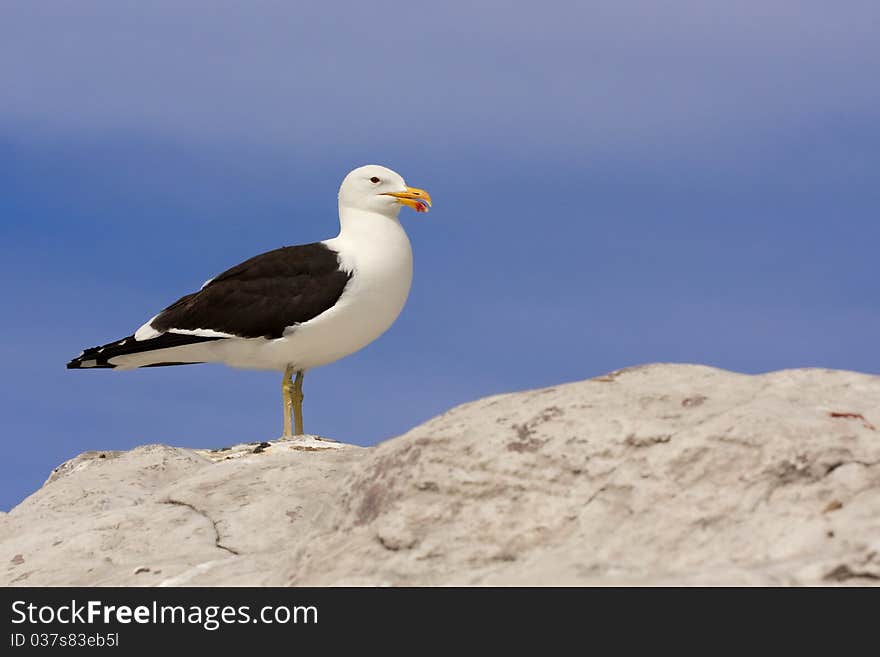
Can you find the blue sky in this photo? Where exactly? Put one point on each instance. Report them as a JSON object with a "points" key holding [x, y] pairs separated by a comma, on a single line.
{"points": [[615, 183]]}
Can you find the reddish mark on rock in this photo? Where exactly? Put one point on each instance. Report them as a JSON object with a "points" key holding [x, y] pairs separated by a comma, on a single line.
{"points": [[530, 445], [833, 505], [371, 504], [17, 560], [854, 416]]}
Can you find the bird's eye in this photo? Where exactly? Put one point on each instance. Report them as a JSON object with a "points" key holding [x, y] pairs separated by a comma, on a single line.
{"points": [[374, 179]]}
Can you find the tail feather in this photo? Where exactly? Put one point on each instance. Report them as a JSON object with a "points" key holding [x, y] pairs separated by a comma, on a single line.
{"points": [[99, 357]]}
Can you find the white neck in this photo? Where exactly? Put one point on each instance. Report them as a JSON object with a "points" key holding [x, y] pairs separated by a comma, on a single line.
{"points": [[367, 237], [364, 222], [376, 247]]}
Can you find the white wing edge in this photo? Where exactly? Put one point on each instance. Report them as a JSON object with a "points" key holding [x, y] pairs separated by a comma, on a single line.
{"points": [[147, 332]]}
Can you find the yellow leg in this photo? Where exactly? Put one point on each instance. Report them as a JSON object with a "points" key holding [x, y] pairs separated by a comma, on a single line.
{"points": [[286, 390], [292, 397], [298, 403]]}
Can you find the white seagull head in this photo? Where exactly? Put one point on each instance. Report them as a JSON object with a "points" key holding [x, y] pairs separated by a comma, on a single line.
{"points": [[375, 188]]}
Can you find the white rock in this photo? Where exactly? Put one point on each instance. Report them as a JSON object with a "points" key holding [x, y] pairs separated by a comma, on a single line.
{"points": [[663, 474]]}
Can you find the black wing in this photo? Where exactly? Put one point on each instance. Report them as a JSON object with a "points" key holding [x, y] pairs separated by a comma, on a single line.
{"points": [[262, 296]]}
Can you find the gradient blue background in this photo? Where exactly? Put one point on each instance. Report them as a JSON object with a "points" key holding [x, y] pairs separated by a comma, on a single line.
{"points": [[615, 183]]}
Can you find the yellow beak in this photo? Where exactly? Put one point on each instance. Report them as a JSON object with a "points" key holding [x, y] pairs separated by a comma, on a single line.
{"points": [[418, 199]]}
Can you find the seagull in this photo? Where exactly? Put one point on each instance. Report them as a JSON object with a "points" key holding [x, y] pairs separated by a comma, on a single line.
{"points": [[293, 308]]}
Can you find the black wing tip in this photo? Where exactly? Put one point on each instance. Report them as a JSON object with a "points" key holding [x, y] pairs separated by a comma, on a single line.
{"points": [[97, 357], [78, 363]]}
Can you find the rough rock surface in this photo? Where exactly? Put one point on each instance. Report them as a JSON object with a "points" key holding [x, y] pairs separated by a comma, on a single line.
{"points": [[662, 474]]}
